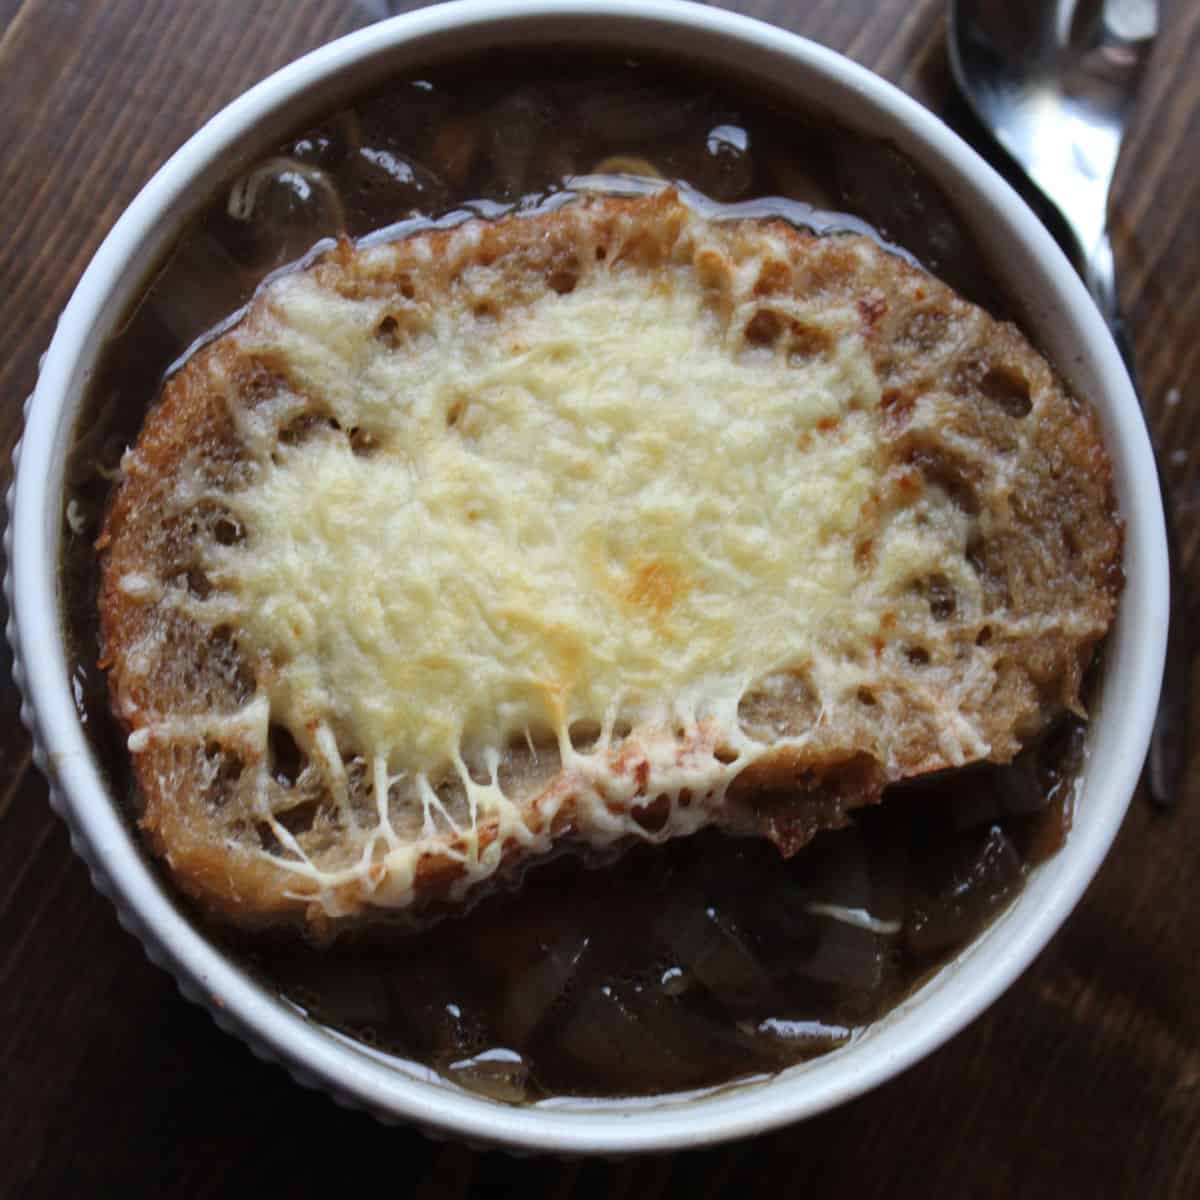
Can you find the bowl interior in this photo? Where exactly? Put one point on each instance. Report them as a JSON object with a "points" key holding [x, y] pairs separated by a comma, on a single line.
{"points": [[1026, 261]]}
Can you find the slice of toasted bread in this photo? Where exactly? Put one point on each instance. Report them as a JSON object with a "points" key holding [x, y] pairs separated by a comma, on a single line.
{"points": [[609, 521]]}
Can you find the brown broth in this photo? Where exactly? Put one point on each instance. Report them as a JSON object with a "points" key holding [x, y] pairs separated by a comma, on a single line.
{"points": [[704, 960], [675, 967]]}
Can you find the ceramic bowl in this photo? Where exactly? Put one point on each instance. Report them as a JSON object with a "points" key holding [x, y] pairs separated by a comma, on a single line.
{"points": [[1028, 263]]}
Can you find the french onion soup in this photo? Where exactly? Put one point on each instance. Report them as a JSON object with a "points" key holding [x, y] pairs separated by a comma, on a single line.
{"points": [[531, 591]]}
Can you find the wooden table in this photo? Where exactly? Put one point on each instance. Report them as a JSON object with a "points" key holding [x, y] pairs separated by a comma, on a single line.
{"points": [[1083, 1080]]}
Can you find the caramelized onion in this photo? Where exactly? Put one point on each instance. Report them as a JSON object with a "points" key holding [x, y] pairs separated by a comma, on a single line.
{"points": [[635, 114], [706, 942], [532, 993], [605, 1038], [976, 883], [499, 1074], [287, 206]]}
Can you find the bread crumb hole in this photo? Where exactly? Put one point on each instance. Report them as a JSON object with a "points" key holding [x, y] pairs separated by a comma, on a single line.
{"points": [[621, 730], [724, 755], [301, 819], [563, 282], [1008, 389], [653, 817], [300, 428], [228, 531], [584, 735], [866, 696], [267, 840], [943, 469], [286, 759], [197, 583], [917, 655], [985, 636], [601, 253], [388, 332], [764, 328], [363, 442]]}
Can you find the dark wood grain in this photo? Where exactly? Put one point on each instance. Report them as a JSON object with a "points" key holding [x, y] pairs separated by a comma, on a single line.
{"points": [[1083, 1080]]}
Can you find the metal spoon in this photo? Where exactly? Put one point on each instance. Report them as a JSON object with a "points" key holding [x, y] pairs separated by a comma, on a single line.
{"points": [[1053, 81]]}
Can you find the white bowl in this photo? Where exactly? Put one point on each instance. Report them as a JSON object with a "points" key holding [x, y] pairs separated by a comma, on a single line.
{"points": [[1028, 263]]}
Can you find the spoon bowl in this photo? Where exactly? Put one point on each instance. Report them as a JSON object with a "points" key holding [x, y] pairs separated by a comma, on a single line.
{"points": [[1054, 83]]}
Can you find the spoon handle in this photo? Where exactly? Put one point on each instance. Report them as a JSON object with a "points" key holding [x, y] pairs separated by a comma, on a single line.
{"points": [[1169, 741]]}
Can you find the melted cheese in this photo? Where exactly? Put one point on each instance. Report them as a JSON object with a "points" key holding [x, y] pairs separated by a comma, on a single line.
{"points": [[596, 507]]}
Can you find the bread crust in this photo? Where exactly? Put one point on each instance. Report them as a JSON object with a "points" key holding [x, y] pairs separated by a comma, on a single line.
{"points": [[968, 407]]}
